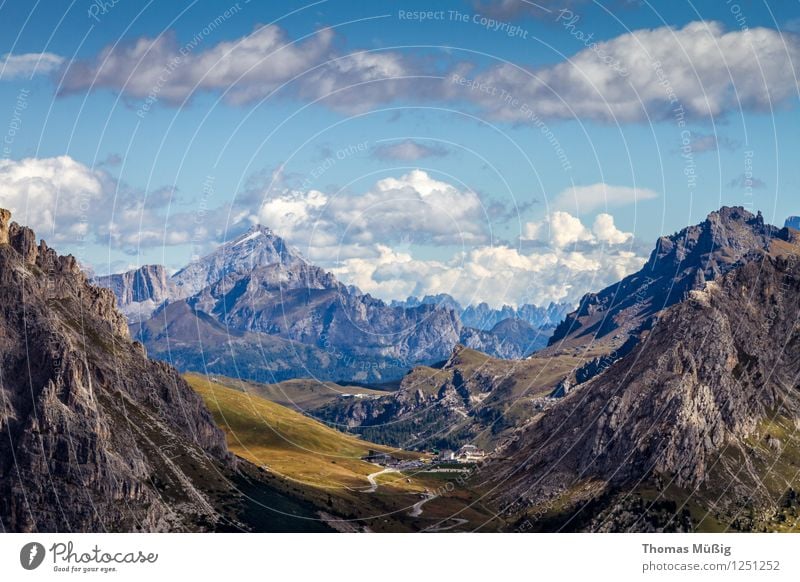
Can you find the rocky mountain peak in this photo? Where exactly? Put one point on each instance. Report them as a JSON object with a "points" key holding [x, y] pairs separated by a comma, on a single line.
{"points": [[678, 264], [258, 247], [725, 236]]}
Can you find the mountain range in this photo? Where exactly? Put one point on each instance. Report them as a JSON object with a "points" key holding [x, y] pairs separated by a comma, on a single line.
{"points": [[484, 317], [669, 401], [255, 308]]}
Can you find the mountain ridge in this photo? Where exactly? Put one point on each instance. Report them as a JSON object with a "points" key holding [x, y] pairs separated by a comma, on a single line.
{"points": [[694, 405], [83, 407]]}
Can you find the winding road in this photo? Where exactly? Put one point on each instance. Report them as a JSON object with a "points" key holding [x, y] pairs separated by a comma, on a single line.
{"points": [[373, 484], [416, 510]]}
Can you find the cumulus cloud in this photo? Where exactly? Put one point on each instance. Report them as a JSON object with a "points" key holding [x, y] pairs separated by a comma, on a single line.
{"points": [[648, 74], [502, 274], [599, 195], [371, 240], [413, 205], [28, 64], [65, 201], [55, 196], [605, 231], [409, 150], [560, 229]]}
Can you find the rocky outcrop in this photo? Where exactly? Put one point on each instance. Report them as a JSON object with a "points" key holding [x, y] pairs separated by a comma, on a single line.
{"points": [[95, 437], [5, 225], [140, 291], [483, 317]]}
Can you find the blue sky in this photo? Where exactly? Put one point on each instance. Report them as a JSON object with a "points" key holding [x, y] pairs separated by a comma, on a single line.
{"points": [[501, 151]]}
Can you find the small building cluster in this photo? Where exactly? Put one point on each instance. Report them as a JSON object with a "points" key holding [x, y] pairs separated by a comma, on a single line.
{"points": [[466, 454]]}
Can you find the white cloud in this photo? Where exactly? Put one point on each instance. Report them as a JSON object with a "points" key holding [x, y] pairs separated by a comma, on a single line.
{"points": [[605, 231], [559, 229], [588, 198], [501, 274], [637, 76], [25, 65], [248, 68], [57, 197], [362, 80], [700, 67], [414, 206], [370, 240], [65, 201]]}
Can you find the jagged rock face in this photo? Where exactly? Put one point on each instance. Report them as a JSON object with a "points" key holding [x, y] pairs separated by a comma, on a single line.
{"points": [[257, 284], [305, 304], [140, 291], [688, 405], [440, 300], [678, 264], [147, 283], [483, 317], [92, 429], [5, 225]]}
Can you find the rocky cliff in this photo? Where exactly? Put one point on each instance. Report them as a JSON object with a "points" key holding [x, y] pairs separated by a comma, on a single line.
{"points": [[510, 339], [140, 291], [95, 437], [259, 246]]}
